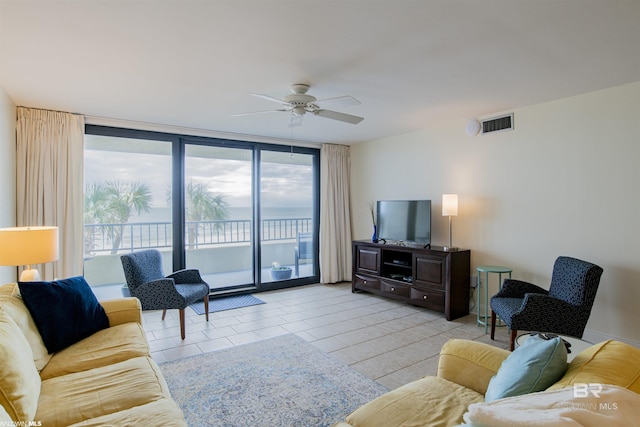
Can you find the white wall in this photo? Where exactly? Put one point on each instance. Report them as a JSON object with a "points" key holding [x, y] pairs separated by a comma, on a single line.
{"points": [[7, 173], [566, 181]]}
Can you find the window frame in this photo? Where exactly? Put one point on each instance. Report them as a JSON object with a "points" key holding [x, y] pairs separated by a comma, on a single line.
{"points": [[178, 144]]}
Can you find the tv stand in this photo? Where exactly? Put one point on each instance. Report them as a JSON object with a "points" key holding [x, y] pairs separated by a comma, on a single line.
{"points": [[427, 277]]}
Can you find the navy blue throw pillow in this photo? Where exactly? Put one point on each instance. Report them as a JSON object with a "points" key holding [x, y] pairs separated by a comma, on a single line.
{"points": [[65, 311]]}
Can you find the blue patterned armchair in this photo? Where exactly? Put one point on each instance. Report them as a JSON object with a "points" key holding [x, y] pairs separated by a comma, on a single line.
{"points": [[147, 282], [563, 309]]}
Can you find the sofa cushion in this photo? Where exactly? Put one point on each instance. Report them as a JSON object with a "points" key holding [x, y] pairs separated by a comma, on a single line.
{"points": [[430, 401], [65, 311], [12, 304], [19, 379], [470, 363], [534, 366], [608, 362], [164, 412], [71, 398], [122, 310], [105, 347]]}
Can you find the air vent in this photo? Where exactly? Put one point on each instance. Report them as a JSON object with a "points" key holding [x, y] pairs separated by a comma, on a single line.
{"points": [[498, 124]]}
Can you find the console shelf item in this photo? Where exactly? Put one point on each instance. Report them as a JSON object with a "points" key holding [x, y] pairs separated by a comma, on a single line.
{"points": [[430, 278]]}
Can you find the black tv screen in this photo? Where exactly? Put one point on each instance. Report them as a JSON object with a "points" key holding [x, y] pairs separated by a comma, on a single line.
{"points": [[404, 220]]}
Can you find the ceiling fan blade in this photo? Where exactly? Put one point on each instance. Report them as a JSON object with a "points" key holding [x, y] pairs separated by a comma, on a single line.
{"points": [[257, 112], [335, 115], [270, 98], [338, 101]]}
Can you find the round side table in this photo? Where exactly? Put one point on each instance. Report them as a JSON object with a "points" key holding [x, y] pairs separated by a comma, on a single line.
{"points": [[484, 317], [576, 345]]}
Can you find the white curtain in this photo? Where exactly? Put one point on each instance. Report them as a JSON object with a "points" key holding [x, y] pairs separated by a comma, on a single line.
{"points": [[49, 165], [335, 216]]}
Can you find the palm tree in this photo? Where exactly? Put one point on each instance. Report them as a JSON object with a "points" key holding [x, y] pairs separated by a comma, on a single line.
{"points": [[113, 203], [122, 199], [202, 205], [94, 213]]}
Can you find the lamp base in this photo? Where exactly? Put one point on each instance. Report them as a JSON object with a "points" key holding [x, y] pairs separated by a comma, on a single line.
{"points": [[30, 275], [450, 249]]}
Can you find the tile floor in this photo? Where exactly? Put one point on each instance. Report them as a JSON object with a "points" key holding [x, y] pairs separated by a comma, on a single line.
{"points": [[386, 340]]}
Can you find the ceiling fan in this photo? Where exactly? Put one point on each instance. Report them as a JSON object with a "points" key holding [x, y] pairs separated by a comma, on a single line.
{"points": [[299, 103]]}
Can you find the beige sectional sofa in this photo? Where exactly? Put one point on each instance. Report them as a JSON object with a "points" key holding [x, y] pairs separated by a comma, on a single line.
{"points": [[465, 369], [108, 378]]}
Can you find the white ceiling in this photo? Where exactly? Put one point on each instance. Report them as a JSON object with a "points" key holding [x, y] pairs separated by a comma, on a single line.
{"points": [[193, 64]]}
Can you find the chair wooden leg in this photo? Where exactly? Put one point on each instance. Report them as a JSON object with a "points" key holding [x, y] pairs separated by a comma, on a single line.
{"points": [[513, 339], [493, 325], [182, 334], [164, 313], [206, 306]]}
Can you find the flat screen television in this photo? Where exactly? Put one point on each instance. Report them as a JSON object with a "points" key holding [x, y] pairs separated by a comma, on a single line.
{"points": [[404, 221]]}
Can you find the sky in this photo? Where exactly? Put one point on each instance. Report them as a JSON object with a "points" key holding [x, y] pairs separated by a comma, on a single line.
{"points": [[285, 181]]}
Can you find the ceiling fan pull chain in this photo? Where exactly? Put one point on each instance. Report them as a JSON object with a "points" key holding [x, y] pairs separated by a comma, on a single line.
{"points": [[291, 129]]}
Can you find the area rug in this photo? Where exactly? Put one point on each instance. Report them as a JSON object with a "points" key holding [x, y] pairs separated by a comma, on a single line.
{"points": [[281, 381], [227, 303]]}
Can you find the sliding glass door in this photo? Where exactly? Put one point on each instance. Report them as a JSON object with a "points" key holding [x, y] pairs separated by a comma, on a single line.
{"points": [[244, 214], [126, 207], [218, 209], [287, 213]]}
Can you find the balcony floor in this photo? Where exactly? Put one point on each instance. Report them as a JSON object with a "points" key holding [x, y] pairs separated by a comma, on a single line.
{"points": [[216, 281]]}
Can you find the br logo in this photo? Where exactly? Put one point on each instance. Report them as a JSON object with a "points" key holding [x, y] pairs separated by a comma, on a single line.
{"points": [[584, 389]]}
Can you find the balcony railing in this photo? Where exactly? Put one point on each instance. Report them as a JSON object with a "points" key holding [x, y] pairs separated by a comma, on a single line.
{"points": [[127, 237]]}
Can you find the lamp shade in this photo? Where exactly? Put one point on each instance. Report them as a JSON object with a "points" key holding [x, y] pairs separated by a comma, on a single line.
{"points": [[449, 205], [28, 245]]}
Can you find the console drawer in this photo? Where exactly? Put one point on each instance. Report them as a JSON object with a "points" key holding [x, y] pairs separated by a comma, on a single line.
{"points": [[395, 289], [367, 282], [427, 298]]}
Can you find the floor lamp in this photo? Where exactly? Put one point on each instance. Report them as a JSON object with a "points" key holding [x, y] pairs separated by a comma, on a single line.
{"points": [[450, 208], [28, 246]]}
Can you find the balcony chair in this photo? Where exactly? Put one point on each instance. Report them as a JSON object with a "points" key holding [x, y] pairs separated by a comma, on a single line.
{"points": [[147, 282], [303, 250], [563, 309]]}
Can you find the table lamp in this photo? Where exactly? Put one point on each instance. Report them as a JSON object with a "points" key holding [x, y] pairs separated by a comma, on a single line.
{"points": [[28, 246], [450, 208]]}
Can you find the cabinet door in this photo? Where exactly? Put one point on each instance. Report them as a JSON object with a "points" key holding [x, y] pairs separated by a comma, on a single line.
{"points": [[368, 260], [430, 271]]}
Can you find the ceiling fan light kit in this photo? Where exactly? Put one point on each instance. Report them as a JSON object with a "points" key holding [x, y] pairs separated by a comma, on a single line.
{"points": [[298, 103], [298, 110]]}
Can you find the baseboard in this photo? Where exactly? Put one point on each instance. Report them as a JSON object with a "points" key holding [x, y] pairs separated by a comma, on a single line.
{"points": [[597, 336], [593, 336]]}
